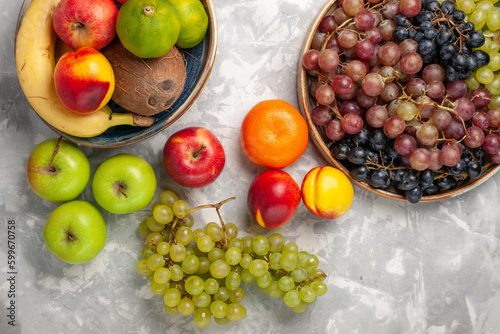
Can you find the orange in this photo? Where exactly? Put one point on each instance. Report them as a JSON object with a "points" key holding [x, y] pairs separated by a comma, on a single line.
{"points": [[194, 22], [148, 28], [274, 134]]}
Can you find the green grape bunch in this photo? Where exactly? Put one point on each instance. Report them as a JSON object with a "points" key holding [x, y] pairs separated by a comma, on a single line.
{"points": [[199, 271]]}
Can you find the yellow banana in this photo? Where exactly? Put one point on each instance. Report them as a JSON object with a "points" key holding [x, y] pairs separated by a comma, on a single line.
{"points": [[35, 46]]}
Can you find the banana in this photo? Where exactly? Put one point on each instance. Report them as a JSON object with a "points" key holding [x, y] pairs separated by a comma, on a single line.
{"points": [[35, 62]]}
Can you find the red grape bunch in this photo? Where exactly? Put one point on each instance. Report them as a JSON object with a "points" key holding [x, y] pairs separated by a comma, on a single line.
{"points": [[394, 109]]}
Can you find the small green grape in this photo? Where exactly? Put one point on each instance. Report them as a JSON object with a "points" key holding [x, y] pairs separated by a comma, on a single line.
{"points": [[478, 17], [276, 242], [177, 252], [218, 309], [163, 248], [194, 285], [258, 267], [237, 295], [168, 198], [147, 252], [154, 239], [319, 287], [222, 294], [307, 294], [245, 261], [190, 264], [291, 298], [288, 260], [233, 280], [172, 297], [163, 214], [215, 231], [247, 277], [236, 312], [144, 229], [155, 261], [186, 306], [162, 275], [260, 245], [216, 254], [264, 280], [142, 268], [204, 266], [231, 231], [219, 269], [202, 317], [233, 255], [205, 243], [171, 310], [472, 82], [211, 285], [180, 208], [177, 273], [159, 289], [202, 299], [184, 235], [467, 6], [286, 283], [247, 243], [484, 75]]}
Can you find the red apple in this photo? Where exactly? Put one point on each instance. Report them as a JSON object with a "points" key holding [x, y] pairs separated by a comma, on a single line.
{"points": [[86, 23], [84, 80], [193, 157], [273, 198]]}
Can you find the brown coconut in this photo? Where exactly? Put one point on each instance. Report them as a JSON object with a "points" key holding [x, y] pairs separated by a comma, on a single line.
{"points": [[146, 86]]}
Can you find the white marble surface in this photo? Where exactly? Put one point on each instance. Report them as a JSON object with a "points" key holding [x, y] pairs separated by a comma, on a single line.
{"points": [[392, 267]]}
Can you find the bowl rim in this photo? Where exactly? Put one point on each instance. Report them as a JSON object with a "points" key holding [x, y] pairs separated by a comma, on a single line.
{"points": [[305, 106], [201, 81]]}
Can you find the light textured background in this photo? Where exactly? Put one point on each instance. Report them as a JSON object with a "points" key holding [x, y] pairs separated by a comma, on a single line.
{"points": [[392, 267]]}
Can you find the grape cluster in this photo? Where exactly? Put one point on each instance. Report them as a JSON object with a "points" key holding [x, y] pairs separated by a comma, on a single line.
{"points": [[388, 106], [200, 271], [444, 37]]}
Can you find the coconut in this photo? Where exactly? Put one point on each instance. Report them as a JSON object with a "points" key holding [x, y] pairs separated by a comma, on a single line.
{"points": [[146, 86]]}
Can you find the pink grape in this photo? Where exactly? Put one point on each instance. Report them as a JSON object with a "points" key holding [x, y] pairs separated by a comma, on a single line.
{"points": [[405, 144], [333, 130], [310, 59], [352, 123], [373, 84]]}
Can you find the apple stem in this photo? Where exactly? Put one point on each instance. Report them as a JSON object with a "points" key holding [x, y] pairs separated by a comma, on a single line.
{"points": [[195, 154], [56, 150], [120, 189], [77, 25]]}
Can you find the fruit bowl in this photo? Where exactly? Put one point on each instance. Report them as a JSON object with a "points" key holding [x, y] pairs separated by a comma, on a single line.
{"points": [[307, 103], [199, 61]]}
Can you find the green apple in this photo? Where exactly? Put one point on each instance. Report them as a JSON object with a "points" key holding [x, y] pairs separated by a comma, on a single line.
{"points": [[57, 170], [124, 183], [75, 232]]}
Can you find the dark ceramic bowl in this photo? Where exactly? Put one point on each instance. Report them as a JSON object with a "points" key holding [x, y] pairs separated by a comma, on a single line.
{"points": [[199, 62], [307, 104]]}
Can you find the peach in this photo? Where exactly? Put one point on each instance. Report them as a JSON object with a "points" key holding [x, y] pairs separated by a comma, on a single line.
{"points": [[273, 198], [84, 80], [327, 192]]}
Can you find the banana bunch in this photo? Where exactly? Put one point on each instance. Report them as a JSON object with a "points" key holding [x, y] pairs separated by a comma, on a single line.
{"points": [[35, 62]]}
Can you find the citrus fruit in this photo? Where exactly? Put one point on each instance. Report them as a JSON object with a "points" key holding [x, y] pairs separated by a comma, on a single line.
{"points": [[194, 22], [274, 134], [148, 28], [327, 192]]}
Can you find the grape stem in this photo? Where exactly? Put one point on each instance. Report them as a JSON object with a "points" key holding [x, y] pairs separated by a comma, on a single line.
{"points": [[217, 207]]}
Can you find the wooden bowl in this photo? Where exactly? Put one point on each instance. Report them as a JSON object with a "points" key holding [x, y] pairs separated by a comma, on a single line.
{"points": [[307, 104], [199, 62]]}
